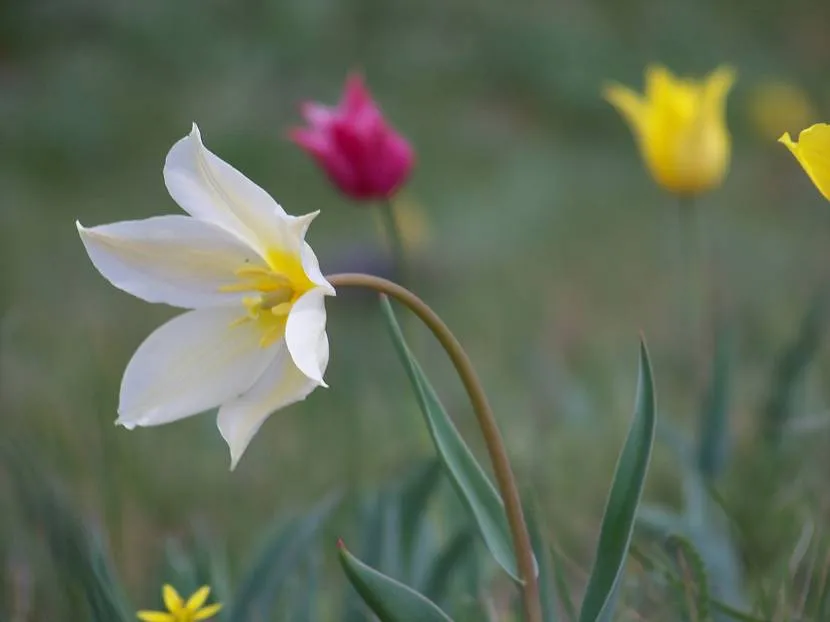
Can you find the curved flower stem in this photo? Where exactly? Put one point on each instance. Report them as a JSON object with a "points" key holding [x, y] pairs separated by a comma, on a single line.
{"points": [[486, 421]]}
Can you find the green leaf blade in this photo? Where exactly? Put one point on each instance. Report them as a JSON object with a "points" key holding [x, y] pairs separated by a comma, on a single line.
{"points": [[621, 508], [390, 600], [468, 478], [547, 581], [277, 559]]}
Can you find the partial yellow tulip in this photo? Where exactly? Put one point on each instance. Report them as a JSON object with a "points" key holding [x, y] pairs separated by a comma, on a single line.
{"points": [[813, 153], [680, 127]]}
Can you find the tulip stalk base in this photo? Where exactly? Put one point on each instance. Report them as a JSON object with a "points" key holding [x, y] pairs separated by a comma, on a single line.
{"points": [[486, 420]]}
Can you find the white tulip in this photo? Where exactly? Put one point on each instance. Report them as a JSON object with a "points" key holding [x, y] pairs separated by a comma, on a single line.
{"points": [[254, 339]]}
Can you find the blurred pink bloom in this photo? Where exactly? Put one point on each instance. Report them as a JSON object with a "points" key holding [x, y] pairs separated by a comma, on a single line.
{"points": [[352, 142]]}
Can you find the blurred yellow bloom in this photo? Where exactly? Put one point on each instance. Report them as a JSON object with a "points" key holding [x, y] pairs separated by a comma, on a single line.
{"points": [[680, 127], [412, 220], [776, 107], [813, 153], [180, 611]]}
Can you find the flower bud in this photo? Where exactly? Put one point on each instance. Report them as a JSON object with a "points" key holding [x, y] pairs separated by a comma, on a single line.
{"points": [[359, 151]]}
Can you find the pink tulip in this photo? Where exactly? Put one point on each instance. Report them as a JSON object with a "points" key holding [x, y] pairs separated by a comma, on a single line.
{"points": [[361, 154]]}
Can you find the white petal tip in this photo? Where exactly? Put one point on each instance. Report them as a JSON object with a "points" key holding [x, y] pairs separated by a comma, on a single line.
{"points": [[194, 132], [84, 232], [127, 425]]}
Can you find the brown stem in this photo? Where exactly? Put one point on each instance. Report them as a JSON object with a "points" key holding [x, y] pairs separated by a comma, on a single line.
{"points": [[486, 421]]}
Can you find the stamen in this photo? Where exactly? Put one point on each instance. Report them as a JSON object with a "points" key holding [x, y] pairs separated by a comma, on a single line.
{"points": [[246, 272], [237, 287], [273, 299], [281, 309]]}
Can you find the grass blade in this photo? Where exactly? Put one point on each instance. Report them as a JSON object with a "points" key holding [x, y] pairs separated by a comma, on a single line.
{"points": [[437, 580], [547, 580], [79, 555], [390, 600], [623, 500], [278, 559]]}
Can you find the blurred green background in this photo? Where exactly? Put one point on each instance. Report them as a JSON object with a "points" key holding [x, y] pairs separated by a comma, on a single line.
{"points": [[533, 228]]}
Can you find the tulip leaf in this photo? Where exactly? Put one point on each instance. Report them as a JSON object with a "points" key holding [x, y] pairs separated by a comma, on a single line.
{"points": [[437, 581], [790, 368], [470, 482], [621, 508], [390, 600]]}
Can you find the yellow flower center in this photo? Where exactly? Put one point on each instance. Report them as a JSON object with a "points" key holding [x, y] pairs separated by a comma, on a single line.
{"points": [[274, 289]]}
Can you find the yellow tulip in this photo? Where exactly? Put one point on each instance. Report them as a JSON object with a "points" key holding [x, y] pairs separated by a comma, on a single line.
{"points": [[813, 153], [680, 127]]}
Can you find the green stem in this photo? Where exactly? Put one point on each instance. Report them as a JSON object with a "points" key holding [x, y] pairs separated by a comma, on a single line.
{"points": [[691, 273], [392, 227], [486, 420]]}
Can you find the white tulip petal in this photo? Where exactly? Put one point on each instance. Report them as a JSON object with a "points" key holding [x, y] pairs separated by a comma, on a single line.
{"points": [[177, 260], [280, 385], [194, 362], [303, 329], [208, 188], [312, 269]]}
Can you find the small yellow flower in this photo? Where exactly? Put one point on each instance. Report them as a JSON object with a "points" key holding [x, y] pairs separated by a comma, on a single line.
{"points": [[680, 127], [180, 611], [813, 153]]}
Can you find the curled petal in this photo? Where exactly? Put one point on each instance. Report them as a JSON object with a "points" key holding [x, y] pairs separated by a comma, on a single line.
{"points": [[317, 115], [630, 105], [304, 328], [813, 153], [312, 269], [715, 90], [316, 143], [208, 188], [280, 385], [660, 83], [356, 96], [194, 362], [176, 260]]}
